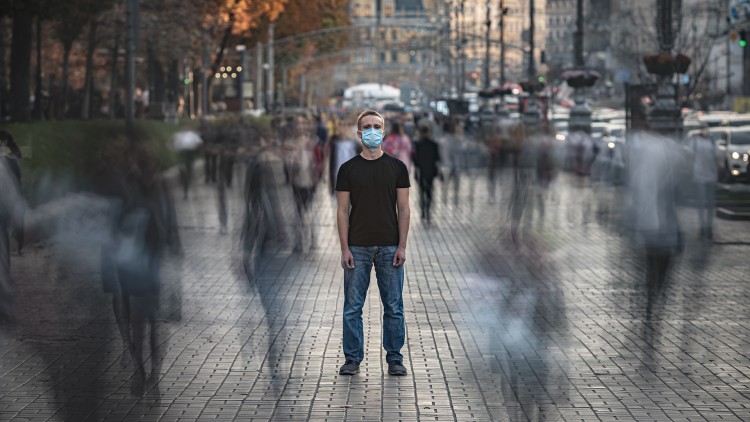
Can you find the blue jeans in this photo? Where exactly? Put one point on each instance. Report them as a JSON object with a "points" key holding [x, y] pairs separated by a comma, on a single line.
{"points": [[391, 285]]}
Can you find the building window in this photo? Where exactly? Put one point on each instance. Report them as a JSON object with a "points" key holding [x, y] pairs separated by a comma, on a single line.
{"points": [[394, 56], [382, 57], [394, 34]]}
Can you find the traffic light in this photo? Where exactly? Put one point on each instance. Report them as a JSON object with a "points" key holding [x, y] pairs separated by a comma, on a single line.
{"points": [[743, 39]]}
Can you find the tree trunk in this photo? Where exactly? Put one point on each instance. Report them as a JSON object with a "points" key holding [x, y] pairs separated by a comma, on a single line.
{"points": [[20, 65], [65, 73], [157, 86], [38, 112], [223, 45], [3, 78], [89, 79], [114, 87], [173, 82]]}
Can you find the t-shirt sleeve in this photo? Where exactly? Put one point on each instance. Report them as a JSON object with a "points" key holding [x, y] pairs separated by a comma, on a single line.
{"points": [[403, 176], [342, 179]]}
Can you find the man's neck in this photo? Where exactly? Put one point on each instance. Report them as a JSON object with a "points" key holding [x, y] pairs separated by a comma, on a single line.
{"points": [[371, 154]]}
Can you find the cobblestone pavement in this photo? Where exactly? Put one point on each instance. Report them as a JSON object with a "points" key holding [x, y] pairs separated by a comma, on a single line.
{"points": [[548, 324]]}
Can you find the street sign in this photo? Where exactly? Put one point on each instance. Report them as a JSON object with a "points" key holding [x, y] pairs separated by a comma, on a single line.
{"points": [[739, 11]]}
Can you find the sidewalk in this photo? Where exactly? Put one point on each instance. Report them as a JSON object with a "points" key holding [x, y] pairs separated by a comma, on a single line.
{"points": [[547, 327]]}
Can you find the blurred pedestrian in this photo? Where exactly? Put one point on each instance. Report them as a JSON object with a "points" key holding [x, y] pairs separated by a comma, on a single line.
{"points": [[705, 169], [398, 145], [321, 129], [211, 135], [302, 175], [545, 162], [12, 207], [187, 142], [343, 148], [12, 155], [373, 225], [142, 232], [426, 157], [453, 147], [653, 197], [262, 211]]}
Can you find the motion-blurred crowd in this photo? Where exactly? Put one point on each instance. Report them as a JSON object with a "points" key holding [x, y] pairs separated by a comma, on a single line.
{"points": [[299, 155]]}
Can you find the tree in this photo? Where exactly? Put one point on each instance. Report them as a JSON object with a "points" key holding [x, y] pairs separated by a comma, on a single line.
{"points": [[241, 16], [20, 58], [68, 25], [94, 12], [700, 30]]}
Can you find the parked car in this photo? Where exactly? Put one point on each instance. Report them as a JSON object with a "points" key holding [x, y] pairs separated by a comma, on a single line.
{"points": [[734, 145], [738, 120]]}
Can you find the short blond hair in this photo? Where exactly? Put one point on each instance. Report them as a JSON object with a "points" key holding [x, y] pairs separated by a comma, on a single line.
{"points": [[368, 113]]}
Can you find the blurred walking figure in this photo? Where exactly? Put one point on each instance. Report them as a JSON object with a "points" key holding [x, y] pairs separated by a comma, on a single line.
{"points": [[12, 207], [426, 158], [142, 231], [454, 148], [653, 195], [585, 151], [302, 175], [10, 152], [373, 223], [210, 135], [262, 212], [524, 173], [187, 143], [705, 176], [545, 160], [343, 148], [398, 145]]}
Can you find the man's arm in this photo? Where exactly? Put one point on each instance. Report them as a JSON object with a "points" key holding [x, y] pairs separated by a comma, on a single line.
{"points": [[402, 203], [342, 222]]}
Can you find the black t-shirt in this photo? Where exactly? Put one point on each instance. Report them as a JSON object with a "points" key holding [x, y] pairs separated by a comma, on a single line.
{"points": [[372, 187]]}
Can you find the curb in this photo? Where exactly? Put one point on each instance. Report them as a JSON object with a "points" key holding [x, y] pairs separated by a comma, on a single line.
{"points": [[728, 214]]}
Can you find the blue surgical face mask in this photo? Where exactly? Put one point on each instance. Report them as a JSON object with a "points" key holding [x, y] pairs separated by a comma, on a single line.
{"points": [[372, 138]]}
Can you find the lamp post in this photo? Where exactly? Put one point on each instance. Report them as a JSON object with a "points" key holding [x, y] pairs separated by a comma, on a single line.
{"points": [[461, 55], [488, 24], [503, 12], [531, 115], [580, 115], [665, 117], [130, 41], [270, 82], [258, 94], [241, 73]]}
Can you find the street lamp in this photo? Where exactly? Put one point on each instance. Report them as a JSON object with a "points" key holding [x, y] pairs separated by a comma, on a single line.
{"points": [[579, 79], [242, 70], [665, 117]]}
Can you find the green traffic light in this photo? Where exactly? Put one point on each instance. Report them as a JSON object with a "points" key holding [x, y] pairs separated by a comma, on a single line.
{"points": [[743, 43], [186, 81], [540, 79]]}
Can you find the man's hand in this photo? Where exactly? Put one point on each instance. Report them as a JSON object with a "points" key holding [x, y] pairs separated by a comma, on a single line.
{"points": [[399, 257], [347, 259]]}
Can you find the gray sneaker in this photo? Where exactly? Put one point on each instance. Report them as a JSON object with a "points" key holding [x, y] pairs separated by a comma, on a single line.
{"points": [[396, 368], [350, 367]]}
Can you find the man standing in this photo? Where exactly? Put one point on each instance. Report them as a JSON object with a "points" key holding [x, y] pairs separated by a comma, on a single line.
{"points": [[374, 232]]}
